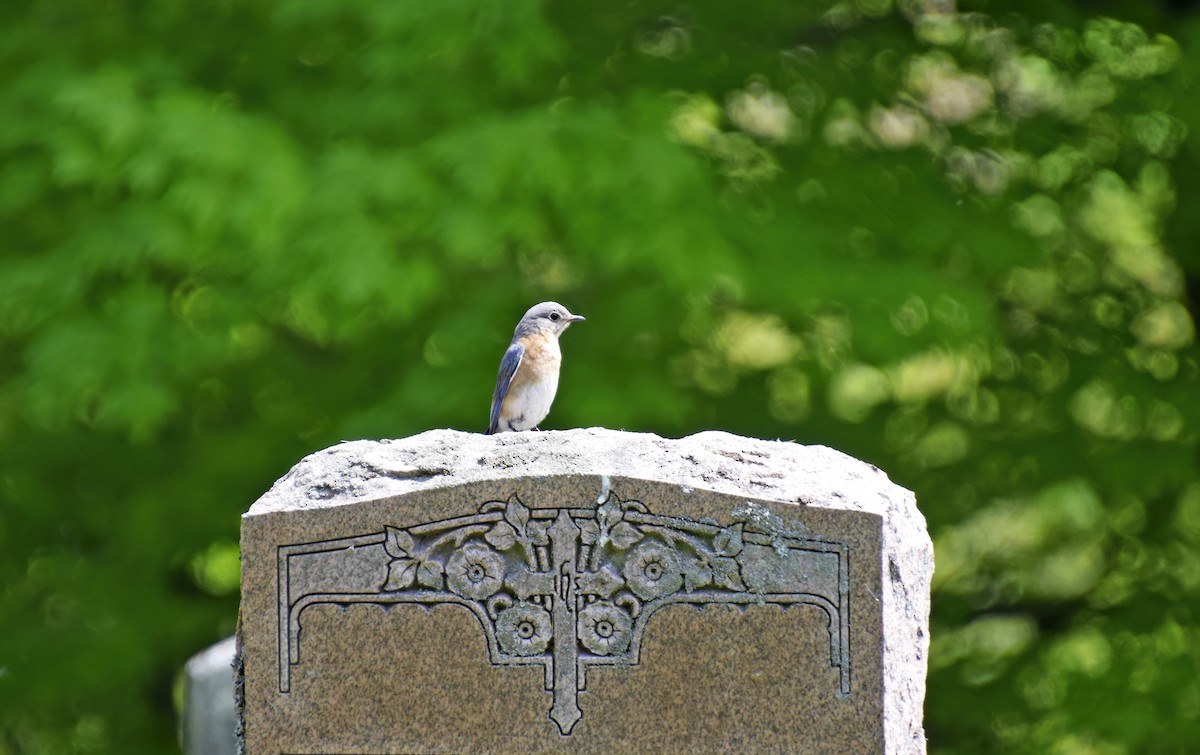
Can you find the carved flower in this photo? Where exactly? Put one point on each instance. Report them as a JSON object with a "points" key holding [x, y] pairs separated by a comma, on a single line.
{"points": [[652, 569], [524, 629], [475, 571], [605, 629]]}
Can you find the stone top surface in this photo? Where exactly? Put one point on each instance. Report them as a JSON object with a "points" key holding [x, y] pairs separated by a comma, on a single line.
{"points": [[718, 461]]}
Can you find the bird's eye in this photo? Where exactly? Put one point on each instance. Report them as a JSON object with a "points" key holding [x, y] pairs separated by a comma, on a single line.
{"points": [[555, 316]]}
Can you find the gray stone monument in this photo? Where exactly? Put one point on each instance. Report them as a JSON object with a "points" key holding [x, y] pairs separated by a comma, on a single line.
{"points": [[208, 722], [583, 590]]}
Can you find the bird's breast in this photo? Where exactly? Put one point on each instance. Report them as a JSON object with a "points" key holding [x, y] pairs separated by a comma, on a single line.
{"points": [[533, 386], [540, 363]]}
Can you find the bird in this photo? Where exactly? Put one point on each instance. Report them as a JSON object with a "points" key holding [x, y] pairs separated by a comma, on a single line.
{"points": [[528, 377]]}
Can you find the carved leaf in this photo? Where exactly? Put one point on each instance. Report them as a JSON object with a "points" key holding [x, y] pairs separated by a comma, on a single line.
{"points": [[589, 532], [609, 512], [398, 543], [538, 533], [725, 573], [516, 514], [429, 574], [625, 535], [602, 582], [696, 575], [502, 536], [728, 542], [401, 574], [526, 584]]}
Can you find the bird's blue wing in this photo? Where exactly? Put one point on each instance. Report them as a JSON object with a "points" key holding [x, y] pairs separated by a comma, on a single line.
{"points": [[508, 368]]}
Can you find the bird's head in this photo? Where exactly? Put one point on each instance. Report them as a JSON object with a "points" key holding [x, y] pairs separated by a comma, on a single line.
{"points": [[547, 317]]}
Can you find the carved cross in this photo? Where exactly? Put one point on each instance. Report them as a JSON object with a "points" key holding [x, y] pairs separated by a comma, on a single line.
{"points": [[564, 541]]}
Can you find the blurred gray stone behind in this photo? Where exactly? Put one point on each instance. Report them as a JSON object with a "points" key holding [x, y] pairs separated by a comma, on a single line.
{"points": [[208, 723]]}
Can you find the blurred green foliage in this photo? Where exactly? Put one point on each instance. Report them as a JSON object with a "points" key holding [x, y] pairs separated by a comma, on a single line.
{"points": [[958, 243]]}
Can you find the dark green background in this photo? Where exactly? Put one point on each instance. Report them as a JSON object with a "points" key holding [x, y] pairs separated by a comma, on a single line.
{"points": [[961, 247]]}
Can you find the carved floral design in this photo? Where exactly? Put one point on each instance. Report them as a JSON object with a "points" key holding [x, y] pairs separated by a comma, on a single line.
{"points": [[605, 629], [568, 588], [516, 530], [652, 570], [720, 567], [475, 571], [406, 567], [503, 558], [524, 629], [602, 582], [607, 529]]}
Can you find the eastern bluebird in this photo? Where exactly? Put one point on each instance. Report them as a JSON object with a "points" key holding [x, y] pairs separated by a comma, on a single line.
{"points": [[528, 376]]}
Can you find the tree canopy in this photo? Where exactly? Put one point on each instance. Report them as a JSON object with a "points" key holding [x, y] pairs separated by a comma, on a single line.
{"points": [[959, 242]]}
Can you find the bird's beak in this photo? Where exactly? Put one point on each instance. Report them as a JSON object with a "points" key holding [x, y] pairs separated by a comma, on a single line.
{"points": [[576, 318]]}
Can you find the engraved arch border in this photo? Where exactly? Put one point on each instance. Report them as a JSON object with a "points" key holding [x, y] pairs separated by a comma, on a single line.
{"points": [[288, 627], [290, 610], [838, 651]]}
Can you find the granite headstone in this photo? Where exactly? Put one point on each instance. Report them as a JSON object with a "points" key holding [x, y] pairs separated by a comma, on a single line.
{"points": [[585, 590]]}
